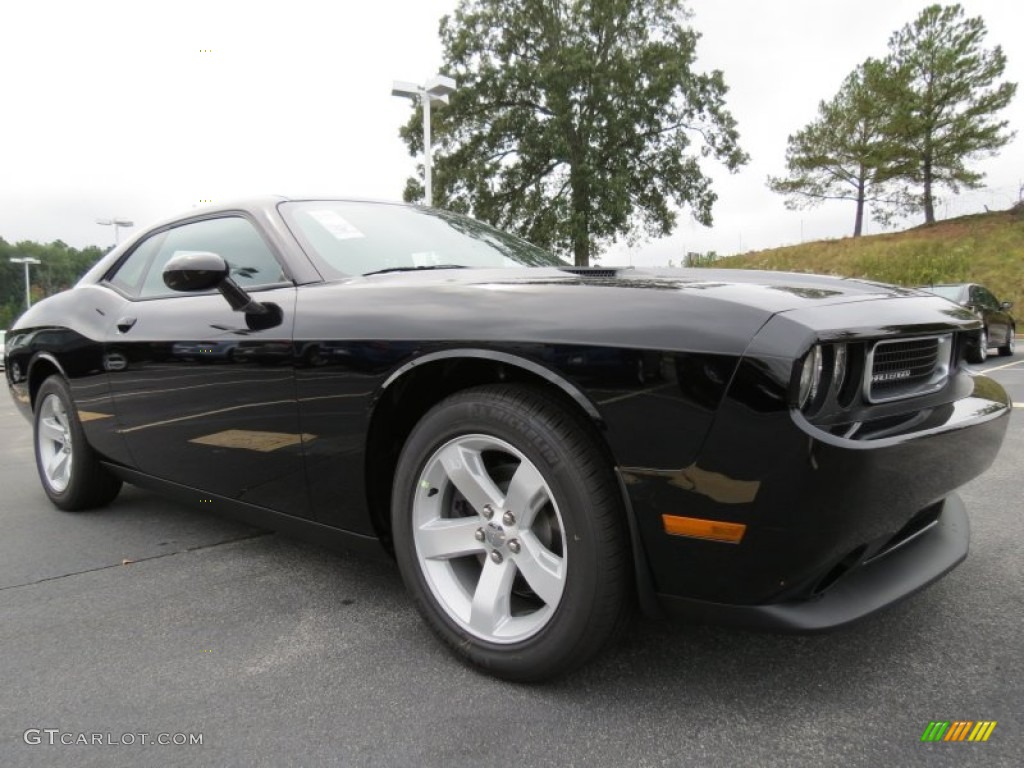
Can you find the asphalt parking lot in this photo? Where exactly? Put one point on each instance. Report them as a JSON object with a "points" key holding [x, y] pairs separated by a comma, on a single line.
{"points": [[151, 617]]}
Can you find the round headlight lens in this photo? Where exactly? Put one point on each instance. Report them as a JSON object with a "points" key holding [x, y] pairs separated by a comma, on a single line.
{"points": [[810, 376]]}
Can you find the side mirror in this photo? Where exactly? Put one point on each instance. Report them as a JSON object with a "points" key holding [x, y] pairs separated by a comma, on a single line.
{"points": [[203, 270], [1007, 305], [198, 271]]}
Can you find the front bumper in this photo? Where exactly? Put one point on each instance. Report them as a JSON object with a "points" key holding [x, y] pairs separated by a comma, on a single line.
{"points": [[822, 513], [898, 572]]}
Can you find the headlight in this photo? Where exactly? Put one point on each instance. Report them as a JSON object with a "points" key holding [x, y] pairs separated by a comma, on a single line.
{"points": [[810, 377], [827, 379], [838, 367]]}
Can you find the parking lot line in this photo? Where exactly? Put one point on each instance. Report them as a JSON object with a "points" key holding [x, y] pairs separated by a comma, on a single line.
{"points": [[1001, 367]]}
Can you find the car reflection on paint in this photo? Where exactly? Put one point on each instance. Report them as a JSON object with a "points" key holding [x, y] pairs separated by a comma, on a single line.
{"points": [[263, 352], [604, 366], [205, 351], [367, 356]]}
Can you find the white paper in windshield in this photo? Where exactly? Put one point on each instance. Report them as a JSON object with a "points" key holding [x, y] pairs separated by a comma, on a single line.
{"points": [[425, 259], [336, 224]]}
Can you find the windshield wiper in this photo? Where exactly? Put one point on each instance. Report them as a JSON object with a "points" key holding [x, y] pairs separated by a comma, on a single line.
{"points": [[414, 269]]}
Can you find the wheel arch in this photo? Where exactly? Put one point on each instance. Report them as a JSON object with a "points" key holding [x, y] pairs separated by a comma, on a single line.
{"points": [[42, 366], [416, 387], [501, 358]]}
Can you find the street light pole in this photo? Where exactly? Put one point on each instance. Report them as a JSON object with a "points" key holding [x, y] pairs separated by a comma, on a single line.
{"points": [[435, 91], [27, 261], [115, 222], [428, 189]]}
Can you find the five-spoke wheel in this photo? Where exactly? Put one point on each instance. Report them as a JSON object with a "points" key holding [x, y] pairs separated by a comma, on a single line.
{"points": [[69, 468], [489, 538], [510, 533], [53, 442]]}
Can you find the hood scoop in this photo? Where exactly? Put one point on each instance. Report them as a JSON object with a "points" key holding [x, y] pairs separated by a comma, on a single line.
{"points": [[592, 271]]}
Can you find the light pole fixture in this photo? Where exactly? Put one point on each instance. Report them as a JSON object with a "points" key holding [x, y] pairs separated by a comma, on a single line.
{"points": [[434, 91], [27, 261], [115, 223]]}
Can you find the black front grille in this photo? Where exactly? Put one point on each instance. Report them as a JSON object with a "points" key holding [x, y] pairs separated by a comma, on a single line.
{"points": [[908, 367]]}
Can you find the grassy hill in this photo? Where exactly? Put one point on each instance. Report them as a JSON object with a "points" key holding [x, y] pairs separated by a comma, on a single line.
{"points": [[985, 248]]}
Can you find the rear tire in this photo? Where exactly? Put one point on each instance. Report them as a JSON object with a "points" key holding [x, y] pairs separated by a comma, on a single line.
{"points": [[69, 468], [510, 532], [1010, 347], [979, 354]]}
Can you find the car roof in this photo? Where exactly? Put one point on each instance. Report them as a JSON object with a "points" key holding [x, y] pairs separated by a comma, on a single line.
{"points": [[254, 203], [257, 203]]}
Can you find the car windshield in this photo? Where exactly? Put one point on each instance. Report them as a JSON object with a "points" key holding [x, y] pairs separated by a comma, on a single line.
{"points": [[951, 292], [352, 238]]}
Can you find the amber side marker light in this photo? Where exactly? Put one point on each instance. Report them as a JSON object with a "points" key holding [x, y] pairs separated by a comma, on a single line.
{"points": [[694, 527]]}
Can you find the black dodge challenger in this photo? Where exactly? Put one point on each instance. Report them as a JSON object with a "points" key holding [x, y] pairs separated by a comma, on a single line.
{"points": [[540, 447]]}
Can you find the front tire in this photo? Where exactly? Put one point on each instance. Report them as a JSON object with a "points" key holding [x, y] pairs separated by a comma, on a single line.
{"points": [[1010, 347], [510, 532], [69, 468]]}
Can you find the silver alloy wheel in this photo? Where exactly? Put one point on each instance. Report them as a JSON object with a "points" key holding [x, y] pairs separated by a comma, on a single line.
{"points": [[983, 354], [53, 439], [489, 538]]}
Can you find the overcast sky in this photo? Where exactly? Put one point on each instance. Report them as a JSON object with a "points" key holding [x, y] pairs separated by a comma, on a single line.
{"points": [[143, 109]]}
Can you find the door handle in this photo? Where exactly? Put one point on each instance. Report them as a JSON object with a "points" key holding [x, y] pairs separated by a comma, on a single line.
{"points": [[125, 324]]}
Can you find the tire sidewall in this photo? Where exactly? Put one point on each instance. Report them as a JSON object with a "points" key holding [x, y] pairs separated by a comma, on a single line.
{"points": [[552, 645], [56, 386], [980, 352]]}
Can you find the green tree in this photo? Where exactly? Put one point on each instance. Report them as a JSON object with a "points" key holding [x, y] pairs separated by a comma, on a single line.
{"points": [[60, 268], [576, 121], [943, 99], [845, 153]]}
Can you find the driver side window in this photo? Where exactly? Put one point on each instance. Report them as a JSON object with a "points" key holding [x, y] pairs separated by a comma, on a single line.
{"points": [[234, 238]]}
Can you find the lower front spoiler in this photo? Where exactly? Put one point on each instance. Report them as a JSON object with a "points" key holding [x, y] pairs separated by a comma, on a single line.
{"points": [[875, 584]]}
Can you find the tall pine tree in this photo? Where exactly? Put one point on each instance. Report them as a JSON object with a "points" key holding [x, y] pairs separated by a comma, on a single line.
{"points": [[844, 153], [942, 94]]}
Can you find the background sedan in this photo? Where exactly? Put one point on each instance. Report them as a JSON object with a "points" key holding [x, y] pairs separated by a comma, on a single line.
{"points": [[999, 326]]}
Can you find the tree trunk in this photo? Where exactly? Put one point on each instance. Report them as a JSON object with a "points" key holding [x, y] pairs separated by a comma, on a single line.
{"points": [[929, 203], [581, 251], [580, 220], [858, 224]]}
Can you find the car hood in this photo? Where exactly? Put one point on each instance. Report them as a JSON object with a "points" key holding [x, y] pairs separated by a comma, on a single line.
{"points": [[771, 292], [714, 311]]}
